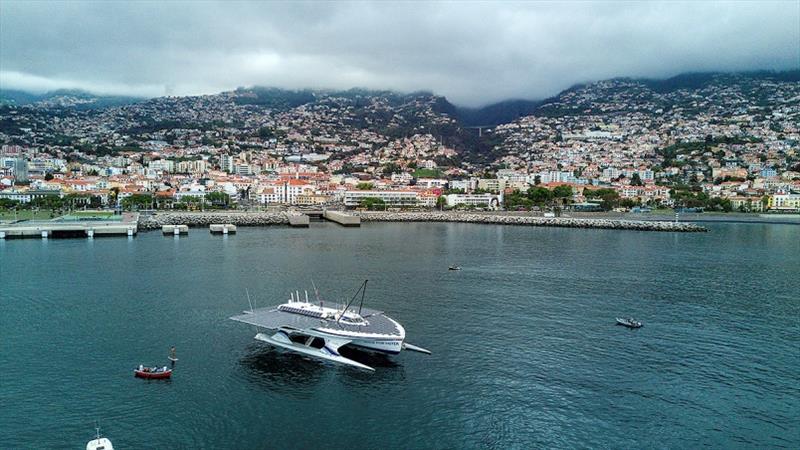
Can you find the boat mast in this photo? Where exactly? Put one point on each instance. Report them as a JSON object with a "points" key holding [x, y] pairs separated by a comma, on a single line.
{"points": [[362, 287], [363, 293], [248, 299]]}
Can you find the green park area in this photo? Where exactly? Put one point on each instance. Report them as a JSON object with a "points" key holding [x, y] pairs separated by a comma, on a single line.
{"points": [[25, 214]]}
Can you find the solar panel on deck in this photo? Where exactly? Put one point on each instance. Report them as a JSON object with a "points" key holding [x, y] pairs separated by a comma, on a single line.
{"points": [[273, 318]]}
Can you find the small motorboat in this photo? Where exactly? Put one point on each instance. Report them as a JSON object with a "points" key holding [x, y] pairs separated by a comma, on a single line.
{"points": [[157, 373], [99, 443], [454, 268], [629, 322]]}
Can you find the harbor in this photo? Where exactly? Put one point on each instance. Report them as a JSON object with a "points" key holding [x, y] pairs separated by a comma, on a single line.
{"points": [[523, 334], [225, 223]]}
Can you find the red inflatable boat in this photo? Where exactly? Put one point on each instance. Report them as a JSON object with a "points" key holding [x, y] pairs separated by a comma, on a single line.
{"points": [[152, 372]]}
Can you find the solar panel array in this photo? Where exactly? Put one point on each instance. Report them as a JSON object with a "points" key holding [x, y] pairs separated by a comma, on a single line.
{"points": [[301, 311]]}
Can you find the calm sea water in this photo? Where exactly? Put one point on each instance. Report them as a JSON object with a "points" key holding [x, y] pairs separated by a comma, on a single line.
{"points": [[525, 351]]}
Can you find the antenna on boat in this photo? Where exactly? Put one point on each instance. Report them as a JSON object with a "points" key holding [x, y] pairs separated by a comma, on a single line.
{"points": [[248, 299], [316, 292]]}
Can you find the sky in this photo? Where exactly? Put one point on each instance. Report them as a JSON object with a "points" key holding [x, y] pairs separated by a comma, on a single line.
{"points": [[474, 53]]}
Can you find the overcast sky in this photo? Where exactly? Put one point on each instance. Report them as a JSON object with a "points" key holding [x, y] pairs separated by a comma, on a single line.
{"points": [[474, 53]]}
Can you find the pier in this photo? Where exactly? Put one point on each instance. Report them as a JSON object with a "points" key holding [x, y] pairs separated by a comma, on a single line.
{"points": [[345, 220], [299, 220], [222, 228], [67, 227], [176, 230]]}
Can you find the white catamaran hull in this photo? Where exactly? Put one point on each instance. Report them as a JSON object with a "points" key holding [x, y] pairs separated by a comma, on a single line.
{"points": [[391, 346], [329, 352]]}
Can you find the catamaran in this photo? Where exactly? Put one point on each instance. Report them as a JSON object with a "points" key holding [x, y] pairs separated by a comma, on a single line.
{"points": [[319, 331]]}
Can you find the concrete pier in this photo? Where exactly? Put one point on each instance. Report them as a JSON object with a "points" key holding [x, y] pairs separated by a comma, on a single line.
{"points": [[222, 228], [342, 219], [175, 229], [299, 220], [66, 229]]}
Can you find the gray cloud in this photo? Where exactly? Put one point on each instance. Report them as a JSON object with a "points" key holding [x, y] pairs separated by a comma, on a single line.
{"points": [[471, 52]]}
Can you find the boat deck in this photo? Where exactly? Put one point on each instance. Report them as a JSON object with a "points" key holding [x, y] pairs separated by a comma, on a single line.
{"points": [[273, 319]]}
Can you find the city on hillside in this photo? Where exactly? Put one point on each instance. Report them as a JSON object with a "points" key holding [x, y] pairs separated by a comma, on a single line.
{"points": [[724, 142]]}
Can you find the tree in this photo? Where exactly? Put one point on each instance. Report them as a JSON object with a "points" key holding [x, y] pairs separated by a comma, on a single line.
{"points": [[6, 203], [636, 180], [51, 202], [540, 195], [373, 203], [48, 176], [441, 202], [113, 195], [516, 200], [609, 197], [563, 191], [364, 186], [219, 199], [389, 169], [137, 201]]}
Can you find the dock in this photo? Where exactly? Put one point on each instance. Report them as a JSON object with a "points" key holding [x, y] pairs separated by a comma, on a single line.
{"points": [[345, 220], [222, 228], [175, 230], [126, 225], [299, 220]]}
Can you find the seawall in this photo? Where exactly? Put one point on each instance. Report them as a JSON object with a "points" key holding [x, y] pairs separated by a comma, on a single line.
{"points": [[197, 219], [497, 219]]}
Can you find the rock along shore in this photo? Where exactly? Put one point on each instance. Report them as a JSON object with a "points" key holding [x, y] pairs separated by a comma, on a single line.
{"points": [[498, 219], [198, 219]]}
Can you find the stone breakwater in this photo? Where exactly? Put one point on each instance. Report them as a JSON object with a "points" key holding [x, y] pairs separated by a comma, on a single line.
{"points": [[200, 219], [498, 219]]}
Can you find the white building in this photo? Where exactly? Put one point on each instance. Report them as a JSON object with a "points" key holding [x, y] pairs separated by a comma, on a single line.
{"points": [[391, 198], [477, 200], [284, 192], [429, 183]]}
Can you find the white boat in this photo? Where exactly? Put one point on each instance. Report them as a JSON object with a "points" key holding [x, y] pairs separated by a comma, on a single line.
{"points": [[319, 331], [629, 322], [99, 443]]}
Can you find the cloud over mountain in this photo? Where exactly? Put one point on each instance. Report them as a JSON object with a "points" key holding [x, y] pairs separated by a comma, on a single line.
{"points": [[473, 53]]}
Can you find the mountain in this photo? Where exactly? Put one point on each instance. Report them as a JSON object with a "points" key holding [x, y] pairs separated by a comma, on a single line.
{"points": [[74, 98], [497, 113], [699, 80]]}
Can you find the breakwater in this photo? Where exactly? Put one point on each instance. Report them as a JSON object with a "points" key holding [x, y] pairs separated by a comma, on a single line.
{"points": [[199, 219], [498, 219], [241, 218]]}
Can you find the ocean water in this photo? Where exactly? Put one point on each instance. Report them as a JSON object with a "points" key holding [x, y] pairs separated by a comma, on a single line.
{"points": [[525, 351]]}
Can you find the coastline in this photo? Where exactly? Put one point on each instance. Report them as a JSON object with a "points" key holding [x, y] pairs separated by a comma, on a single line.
{"points": [[197, 219]]}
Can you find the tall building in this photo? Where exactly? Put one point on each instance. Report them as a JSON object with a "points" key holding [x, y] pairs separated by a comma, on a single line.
{"points": [[21, 169], [226, 163]]}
